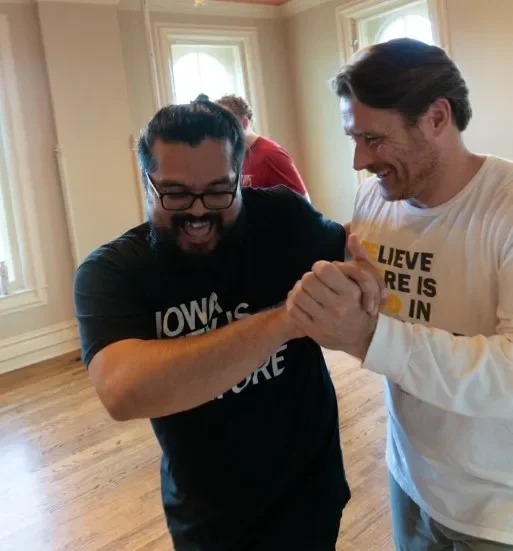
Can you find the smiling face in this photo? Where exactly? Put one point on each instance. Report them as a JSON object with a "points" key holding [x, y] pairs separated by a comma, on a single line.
{"points": [[404, 157], [182, 172]]}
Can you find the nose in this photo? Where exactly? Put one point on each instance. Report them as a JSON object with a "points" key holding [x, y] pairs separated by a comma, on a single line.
{"points": [[197, 208], [363, 156]]}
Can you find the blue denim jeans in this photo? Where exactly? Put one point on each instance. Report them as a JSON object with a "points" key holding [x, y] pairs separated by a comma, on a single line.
{"points": [[415, 530]]}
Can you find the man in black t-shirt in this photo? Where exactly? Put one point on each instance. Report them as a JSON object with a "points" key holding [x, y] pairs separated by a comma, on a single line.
{"points": [[243, 408]]}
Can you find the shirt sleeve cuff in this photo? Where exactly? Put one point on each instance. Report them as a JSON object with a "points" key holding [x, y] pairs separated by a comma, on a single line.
{"points": [[389, 350]]}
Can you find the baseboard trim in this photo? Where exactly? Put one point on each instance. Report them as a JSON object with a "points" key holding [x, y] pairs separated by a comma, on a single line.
{"points": [[37, 346]]}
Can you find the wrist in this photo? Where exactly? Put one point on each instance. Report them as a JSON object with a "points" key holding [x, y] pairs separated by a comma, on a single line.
{"points": [[286, 326], [360, 349]]}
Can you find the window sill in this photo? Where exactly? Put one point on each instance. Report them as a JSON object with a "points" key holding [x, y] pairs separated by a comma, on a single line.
{"points": [[22, 300]]}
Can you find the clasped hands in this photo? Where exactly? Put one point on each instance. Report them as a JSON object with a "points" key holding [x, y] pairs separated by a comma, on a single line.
{"points": [[337, 303]]}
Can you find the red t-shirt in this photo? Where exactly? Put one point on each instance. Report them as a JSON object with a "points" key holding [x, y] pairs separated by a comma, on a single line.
{"points": [[267, 164]]}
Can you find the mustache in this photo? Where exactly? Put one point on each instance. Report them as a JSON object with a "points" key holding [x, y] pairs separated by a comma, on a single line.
{"points": [[179, 220]]}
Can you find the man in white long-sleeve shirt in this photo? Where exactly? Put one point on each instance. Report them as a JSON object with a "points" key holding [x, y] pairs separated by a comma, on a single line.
{"points": [[437, 220]]}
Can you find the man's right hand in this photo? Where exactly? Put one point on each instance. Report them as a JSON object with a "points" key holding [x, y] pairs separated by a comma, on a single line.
{"points": [[361, 270]]}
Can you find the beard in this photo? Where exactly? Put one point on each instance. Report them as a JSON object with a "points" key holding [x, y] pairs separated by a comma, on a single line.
{"points": [[165, 242], [410, 172], [168, 237]]}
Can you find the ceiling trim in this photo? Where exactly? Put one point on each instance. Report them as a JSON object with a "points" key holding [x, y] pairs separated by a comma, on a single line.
{"points": [[210, 8], [93, 2], [297, 6], [220, 8]]}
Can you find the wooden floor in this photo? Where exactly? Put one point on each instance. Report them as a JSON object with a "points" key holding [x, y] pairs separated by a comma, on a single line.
{"points": [[72, 479]]}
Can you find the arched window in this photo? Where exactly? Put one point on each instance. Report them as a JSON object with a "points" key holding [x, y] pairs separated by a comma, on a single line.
{"points": [[408, 26], [199, 72]]}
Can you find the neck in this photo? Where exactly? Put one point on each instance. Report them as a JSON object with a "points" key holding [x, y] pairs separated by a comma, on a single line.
{"points": [[251, 138], [450, 177]]}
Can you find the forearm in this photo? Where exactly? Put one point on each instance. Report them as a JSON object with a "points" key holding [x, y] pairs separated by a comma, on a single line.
{"points": [[467, 375], [158, 378]]}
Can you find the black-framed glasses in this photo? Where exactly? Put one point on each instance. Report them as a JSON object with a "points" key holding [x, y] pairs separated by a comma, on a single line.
{"points": [[184, 200]]}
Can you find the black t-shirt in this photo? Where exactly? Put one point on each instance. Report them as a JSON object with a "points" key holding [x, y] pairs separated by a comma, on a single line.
{"points": [[260, 467]]}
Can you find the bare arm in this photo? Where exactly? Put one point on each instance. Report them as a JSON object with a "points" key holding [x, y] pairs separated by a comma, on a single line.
{"points": [[154, 378]]}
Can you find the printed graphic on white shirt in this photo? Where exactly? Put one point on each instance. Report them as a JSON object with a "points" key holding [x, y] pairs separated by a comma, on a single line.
{"points": [[407, 276]]}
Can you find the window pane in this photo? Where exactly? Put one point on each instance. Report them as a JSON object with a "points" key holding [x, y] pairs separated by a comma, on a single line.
{"points": [[410, 26], [212, 69], [197, 73]]}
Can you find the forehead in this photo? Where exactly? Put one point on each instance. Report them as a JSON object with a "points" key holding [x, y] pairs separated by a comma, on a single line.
{"points": [[179, 162], [359, 118]]}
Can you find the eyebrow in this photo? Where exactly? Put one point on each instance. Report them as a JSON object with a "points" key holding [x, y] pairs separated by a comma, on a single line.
{"points": [[358, 134], [176, 183]]}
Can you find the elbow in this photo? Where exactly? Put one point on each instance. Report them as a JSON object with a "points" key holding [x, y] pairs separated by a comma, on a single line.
{"points": [[116, 401], [117, 409], [113, 391]]}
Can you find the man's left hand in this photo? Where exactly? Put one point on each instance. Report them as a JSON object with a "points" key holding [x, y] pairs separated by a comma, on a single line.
{"points": [[327, 303]]}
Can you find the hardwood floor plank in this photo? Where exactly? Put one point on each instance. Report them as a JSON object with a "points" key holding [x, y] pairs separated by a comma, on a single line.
{"points": [[74, 480]]}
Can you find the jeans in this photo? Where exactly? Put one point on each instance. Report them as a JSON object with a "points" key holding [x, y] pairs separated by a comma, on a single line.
{"points": [[415, 530]]}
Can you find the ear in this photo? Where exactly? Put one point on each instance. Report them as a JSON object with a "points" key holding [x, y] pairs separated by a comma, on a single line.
{"points": [[439, 116], [245, 122]]}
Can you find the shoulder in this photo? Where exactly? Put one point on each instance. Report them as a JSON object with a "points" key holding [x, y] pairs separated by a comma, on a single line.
{"points": [[125, 254], [275, 201], [272, 149], [499, 174], [493, 189], [288, 216], [497, 203]]}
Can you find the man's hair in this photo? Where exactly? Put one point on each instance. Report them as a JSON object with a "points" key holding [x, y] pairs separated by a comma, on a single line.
{"points": [[407, 76], [237, 105], [191, 124]]}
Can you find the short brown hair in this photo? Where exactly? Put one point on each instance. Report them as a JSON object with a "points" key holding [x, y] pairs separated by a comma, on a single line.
{"points": [[237, 105], [407, 76]]}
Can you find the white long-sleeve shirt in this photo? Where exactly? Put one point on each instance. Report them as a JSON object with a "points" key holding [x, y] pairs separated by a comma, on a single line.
{"points": [[445, 344]]}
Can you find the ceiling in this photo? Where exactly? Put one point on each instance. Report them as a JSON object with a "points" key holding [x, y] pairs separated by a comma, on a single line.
{"points": [[265, 2]]}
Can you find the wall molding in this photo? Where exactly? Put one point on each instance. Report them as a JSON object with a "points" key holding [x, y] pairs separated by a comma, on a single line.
{"points": [[93, 2], [297, 6], [37, 346], [210, 8], [216, 7]]}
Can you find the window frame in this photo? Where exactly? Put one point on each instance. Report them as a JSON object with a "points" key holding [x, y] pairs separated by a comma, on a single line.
{"points": [[29, 289], [244, 37]]}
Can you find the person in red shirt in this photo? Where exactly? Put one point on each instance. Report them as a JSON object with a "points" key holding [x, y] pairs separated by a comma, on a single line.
{"points": [[267, 164]]}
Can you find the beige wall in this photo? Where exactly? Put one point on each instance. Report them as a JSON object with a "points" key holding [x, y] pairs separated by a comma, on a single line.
{"points": [[39, 130], [92, 114], [137, 68], [481, 44], [312, 36]]}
